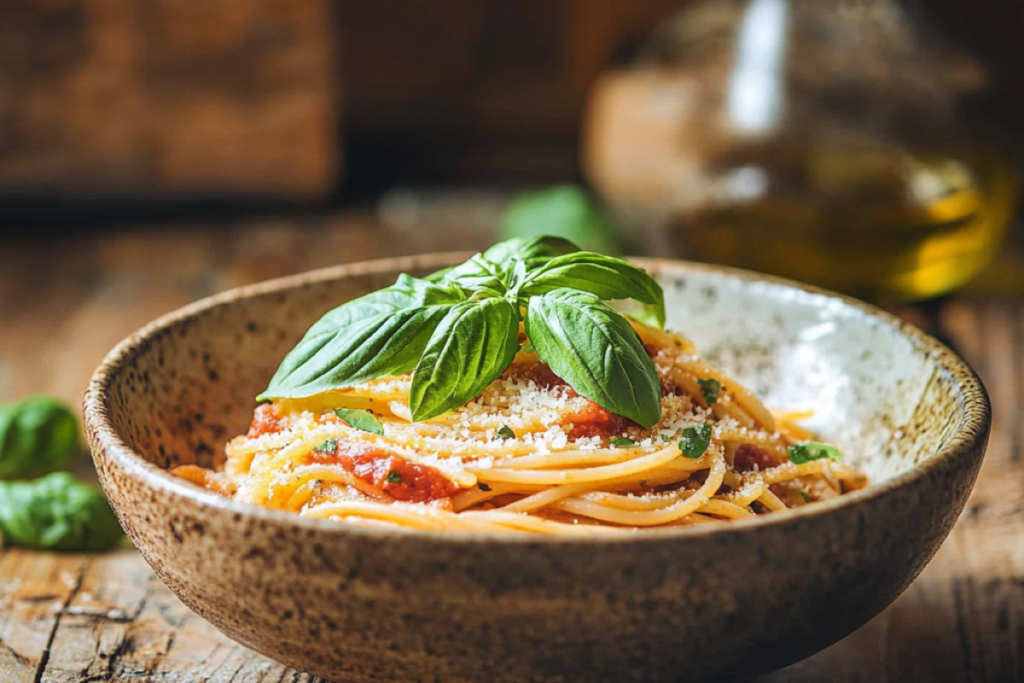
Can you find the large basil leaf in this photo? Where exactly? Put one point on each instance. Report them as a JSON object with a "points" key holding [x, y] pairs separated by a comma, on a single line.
{"points": [[57, 512], [532, 251], [496, 268], [469, 349], [382, 333], [603, 276], [595, 350], [37, 436], [476, 273]]}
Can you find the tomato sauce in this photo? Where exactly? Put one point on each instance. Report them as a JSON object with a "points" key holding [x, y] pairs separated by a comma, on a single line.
{"points": [[748, 457], [405, 481], [593, 420], [265, 420]]}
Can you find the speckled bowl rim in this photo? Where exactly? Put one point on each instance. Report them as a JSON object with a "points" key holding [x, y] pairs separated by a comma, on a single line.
{"points": [[976, 412]]}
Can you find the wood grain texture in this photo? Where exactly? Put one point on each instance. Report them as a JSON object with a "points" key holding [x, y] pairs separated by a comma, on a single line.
{"points": [[73, 618], [123, 99]]}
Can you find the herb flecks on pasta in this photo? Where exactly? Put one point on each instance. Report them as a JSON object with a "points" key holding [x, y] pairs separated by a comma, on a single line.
{"points": [[507, 394]]}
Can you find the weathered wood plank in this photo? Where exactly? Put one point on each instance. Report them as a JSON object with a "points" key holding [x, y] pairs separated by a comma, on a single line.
{"points": [[34, 590], [124, 624], [121, 100]]}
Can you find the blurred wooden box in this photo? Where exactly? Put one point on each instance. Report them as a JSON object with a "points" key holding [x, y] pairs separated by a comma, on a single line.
{"points": [[145, 99], [157, 99], [154, 99]]}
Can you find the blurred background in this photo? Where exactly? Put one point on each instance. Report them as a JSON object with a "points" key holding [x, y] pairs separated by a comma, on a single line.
{"points": [[168, 150]]}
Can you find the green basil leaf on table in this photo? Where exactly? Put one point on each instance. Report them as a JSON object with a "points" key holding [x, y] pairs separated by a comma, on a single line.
{"points": [[603, 276], [564, 210], [361, 420], [806, 452], [382, 333], [57, 512], [593, 348], [468, 350], [38, 435]]}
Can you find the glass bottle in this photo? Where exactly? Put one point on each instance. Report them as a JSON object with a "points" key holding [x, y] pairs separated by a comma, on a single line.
{"points": [[822, 140]]}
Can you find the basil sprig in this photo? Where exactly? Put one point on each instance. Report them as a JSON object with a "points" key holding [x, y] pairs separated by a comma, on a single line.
{"points": [[458, 329]]}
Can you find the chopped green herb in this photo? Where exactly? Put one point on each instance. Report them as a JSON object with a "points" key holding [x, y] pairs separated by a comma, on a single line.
{"points": [[504, 432], [328, 446], [623, 442], [394, 477], [666, 438], [806, 452], [362, 420], [695, 440], [483, 487], [806, 496], [710, 388]]}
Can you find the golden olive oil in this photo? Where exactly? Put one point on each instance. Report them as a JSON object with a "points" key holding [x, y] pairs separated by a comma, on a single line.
{"points": [[884, 225]]}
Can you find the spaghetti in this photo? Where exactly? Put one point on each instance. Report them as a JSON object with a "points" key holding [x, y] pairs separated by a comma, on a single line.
{"points": [[530, 454]]}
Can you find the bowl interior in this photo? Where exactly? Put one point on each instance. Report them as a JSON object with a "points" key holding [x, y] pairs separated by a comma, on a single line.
{"points": [[884, 394]]}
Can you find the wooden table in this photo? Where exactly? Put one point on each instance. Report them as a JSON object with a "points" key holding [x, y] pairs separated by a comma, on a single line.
{"points": [[64, 301]]}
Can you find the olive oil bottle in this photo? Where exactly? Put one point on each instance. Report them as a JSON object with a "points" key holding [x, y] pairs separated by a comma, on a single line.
{"points": [[885, 225], [829, 141]]}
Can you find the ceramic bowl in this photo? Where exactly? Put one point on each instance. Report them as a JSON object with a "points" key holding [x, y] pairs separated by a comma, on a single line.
{"points": [[363, 604]]}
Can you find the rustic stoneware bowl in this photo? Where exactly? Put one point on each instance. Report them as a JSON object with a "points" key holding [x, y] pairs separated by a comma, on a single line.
{"points": [[357, 604]]}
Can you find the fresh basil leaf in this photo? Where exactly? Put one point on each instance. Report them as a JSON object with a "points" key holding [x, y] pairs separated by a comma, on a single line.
{"points": [[439, 275], [470, 348], [695, 440], [38, 435], [361, 420], [650, 315], [603, 276], [623, 442], [806, 452], [536, 251], [711, 389], [593, 348], [504, 432], [57, 512], [531, 250], [479, 272], [379, 334], [497, 267], [328, 446]]}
